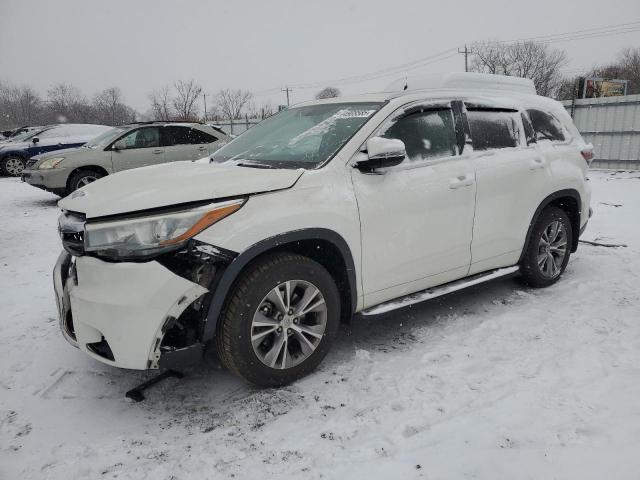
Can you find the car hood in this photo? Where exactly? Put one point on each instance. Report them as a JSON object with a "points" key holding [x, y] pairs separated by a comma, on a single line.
{"points": [[173, 184], [65, 152]]}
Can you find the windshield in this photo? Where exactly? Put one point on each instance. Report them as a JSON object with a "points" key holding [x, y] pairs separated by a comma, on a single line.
{"points": [[104, 138], [25, 135], [300, 137]]}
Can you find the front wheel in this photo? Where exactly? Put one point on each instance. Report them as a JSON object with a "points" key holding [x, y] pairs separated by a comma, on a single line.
{"points": [[549, 248], [279, 320], [13, 165], [82, 178]]}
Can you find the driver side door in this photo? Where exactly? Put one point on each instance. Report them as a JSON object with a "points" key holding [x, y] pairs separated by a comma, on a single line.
{"points": [[142, 147], [417, 217]]}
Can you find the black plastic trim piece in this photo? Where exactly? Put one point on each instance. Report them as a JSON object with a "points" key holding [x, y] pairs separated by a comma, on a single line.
{"points": [[554, 196], [241, 261]]}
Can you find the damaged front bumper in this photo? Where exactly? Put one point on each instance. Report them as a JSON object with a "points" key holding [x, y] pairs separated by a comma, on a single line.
{"points": [[137, 315]]}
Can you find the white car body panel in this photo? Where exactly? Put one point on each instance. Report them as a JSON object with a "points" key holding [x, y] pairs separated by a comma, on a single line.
{"points": [[104, 304], [402, 215], [155, 186]]}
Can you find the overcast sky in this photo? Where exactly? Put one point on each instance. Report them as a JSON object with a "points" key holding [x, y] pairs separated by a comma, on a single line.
{"points": [[140, 45]]}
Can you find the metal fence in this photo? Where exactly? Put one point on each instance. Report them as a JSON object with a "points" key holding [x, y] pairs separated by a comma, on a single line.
{"points": [[236, 127], [612, 125]]}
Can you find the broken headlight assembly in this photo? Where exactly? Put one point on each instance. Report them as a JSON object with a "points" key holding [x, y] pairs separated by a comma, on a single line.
{"points": [[144, 237]]}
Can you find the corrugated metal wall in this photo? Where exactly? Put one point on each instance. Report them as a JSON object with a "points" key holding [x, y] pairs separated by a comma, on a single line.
{"points": [[612, 125]]}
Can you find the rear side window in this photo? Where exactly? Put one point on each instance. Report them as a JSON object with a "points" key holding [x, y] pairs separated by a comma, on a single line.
{"points": [[198, 136], [494, 128], [426, 134], [546, 126], [176, 135], [186, 136]]}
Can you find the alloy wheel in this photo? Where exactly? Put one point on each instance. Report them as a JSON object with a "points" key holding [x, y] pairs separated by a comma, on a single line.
{"points": [[552, 249], [289, 324], [86, 180], [14, 166]]}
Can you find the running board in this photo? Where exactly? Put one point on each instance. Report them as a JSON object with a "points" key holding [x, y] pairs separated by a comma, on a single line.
{"points": [[439, 291]]}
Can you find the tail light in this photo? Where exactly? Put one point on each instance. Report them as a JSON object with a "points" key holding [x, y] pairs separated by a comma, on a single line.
{"points": [[587, 153]]}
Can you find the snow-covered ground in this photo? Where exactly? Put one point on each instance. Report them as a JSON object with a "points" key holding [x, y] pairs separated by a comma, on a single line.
{"points": [[495, 382]]}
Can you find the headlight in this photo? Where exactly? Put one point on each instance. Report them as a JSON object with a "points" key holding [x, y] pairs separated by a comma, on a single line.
{"points": [[152, 235], [50, 163]]}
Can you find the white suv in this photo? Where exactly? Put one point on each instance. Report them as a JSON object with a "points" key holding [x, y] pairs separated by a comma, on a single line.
{"points": [[331, 208]]}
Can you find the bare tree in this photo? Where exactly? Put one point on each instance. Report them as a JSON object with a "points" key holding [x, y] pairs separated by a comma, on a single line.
{"points": [[533, 60], [626, 67], [109, 108], [66, 103], [231, 102], [328, 92], [185, 100], [19, 105], [161, 104]]}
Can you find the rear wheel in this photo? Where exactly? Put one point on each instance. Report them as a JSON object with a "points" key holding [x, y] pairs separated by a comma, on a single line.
{"points": [[82, 178], [13, 165], [279, 321], [549, 248]]}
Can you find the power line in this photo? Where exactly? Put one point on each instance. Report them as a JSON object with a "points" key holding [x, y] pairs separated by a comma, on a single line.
{"points": [[594, 32]]}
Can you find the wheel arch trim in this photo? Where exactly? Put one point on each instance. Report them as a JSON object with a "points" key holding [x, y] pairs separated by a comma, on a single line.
{"points": [[570, 192], [237, 266]]}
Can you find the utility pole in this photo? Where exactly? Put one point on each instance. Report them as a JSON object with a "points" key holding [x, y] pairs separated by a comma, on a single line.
{"points": [[287, 89], [204, 97], [467, 52]]}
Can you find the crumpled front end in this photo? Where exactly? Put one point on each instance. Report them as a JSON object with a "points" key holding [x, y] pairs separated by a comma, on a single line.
{"points": [[131, 314]]}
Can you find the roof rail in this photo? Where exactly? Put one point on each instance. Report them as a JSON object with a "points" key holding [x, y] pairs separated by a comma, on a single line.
{"points": [[466, 81], [146, 122]]}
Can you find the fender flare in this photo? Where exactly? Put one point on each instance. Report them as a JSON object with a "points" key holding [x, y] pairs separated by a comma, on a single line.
{"points": [[570, 192], [238, 264], [16, 153]]}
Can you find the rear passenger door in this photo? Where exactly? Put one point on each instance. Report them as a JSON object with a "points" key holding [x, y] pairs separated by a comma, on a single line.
{"points": [[183, 143], [512, 175]]}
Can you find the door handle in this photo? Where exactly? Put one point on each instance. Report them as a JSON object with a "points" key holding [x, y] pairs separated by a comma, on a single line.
{"points": [[157, 151], [461, 181], [202, 149], [537, 163]]}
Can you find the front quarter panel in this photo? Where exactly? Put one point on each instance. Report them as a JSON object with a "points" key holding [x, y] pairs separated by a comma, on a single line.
{"points": [[321, 199]]}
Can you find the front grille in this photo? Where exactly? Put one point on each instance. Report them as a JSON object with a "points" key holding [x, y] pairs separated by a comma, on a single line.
{"points": [[71, 229], [31, 162]]}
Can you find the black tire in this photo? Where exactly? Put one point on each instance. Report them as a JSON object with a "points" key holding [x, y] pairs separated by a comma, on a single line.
{"points": [[13, 165], [82, 178], [233, 339], [533, 273]]}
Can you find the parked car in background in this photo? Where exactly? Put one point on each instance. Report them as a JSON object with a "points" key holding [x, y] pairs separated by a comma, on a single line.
{"points": [[122, 148], [14, 155], [21, 132], [330, 208]]}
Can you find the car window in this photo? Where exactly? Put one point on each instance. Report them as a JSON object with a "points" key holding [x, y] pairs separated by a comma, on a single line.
{"points": [[299, 137], [199, 137], [529, 133], [494, 128], [546, 126], [176, 135], [147, 137], [426, 134]]}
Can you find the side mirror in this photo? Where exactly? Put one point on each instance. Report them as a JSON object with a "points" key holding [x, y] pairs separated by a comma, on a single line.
{"points": [[35, 140], [119, 145], [382, 152]]}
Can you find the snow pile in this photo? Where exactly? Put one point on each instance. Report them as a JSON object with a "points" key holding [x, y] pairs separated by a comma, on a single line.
{"points": [[499, 381]]}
